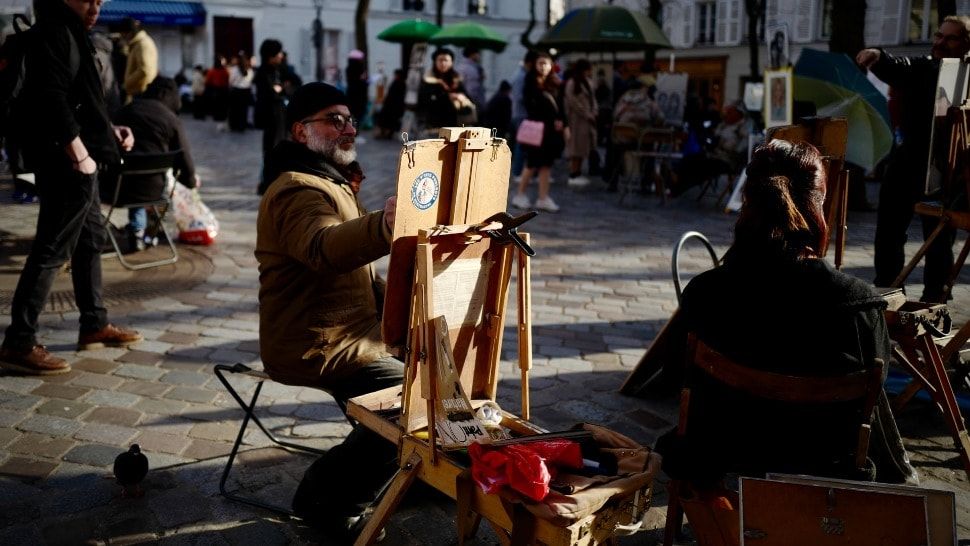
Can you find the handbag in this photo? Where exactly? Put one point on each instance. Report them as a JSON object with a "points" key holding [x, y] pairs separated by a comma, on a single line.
{"points": [[530, 133]]}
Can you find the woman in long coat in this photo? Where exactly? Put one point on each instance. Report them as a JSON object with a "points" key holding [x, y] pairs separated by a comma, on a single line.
{"points": [[581, 111]]}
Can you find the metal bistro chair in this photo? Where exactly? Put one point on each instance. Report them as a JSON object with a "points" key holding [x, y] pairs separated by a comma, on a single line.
{"points": [[134, 165], [249, 414]]}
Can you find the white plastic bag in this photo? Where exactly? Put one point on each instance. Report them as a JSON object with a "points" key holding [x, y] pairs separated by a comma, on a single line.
{"points": [[196, 223]]}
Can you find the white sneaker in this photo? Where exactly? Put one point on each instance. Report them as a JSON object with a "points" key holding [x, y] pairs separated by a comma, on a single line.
{"points": [[577, 182], [521, 201], [547, 204]]}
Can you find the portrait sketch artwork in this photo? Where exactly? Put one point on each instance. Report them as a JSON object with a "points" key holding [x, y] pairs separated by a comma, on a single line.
{"points": [[778, 97]]}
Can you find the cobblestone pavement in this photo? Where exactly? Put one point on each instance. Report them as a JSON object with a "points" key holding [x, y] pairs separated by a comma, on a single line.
{"points": [[601, 288]]}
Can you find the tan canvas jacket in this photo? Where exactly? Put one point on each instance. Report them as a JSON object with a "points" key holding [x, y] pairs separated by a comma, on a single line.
{"points": [[317, 310], [142, 67]]}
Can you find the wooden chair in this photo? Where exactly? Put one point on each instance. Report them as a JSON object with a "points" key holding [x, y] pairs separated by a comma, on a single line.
{"points": [[862, 386]]}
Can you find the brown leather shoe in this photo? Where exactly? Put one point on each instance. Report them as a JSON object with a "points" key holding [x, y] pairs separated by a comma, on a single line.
{"points": [[37, 361], [109, 336]]}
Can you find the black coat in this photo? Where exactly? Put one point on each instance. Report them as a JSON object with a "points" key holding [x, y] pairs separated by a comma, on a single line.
{"points": [[434, 104], [913, 80], [792, 317], [64, 100], [157, 129], [544, 106], [270, 112]]}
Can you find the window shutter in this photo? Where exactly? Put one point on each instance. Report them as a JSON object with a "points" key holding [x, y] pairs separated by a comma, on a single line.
{"points": [[672, 23], [728, 32], [874, 16], [688, 21], [892, 19]]}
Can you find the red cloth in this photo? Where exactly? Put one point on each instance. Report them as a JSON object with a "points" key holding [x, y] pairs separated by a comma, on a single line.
{"points": [[526, 468]]}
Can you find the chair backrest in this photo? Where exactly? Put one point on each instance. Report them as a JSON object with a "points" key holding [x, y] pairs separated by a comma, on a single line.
{"points": [[139, 179], [863, 386], [625, 133], [654, 138]]}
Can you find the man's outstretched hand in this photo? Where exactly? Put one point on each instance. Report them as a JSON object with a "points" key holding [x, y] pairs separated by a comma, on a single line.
{"points": [[390, 206], [867, 57], [124, 136]]}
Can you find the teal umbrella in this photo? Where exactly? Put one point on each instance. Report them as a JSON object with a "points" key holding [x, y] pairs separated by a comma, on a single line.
{"points": [[837, 88], [469, 35], [409, 31], [604, 28]]}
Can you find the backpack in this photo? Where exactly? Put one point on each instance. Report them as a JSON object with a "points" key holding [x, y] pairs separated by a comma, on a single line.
{"points": [[13, 76]]}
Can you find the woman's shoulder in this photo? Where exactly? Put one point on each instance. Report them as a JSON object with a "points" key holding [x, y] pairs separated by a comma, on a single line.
{"points": [[842, 289]]}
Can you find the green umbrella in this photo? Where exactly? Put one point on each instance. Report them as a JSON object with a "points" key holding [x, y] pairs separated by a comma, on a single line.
{"points": [[604, 28], [411, 30], [469, 35]]}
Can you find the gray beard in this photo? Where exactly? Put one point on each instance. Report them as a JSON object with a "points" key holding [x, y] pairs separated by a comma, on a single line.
{"points": [[330, 149]]}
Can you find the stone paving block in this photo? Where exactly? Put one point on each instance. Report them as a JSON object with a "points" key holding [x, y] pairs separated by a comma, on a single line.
{"points": [[160, 406], [319, 411], [115, 435], [228, 356], [153, 346], [46, 424], [144, 388], [141, 357], [105, 356], [225, 431], [189, 354], [257, 532], [138, 371], [9, 418], [22, 385], [165, 443], [8, 435], [324, 429], [186, 378], [249, 346], [112, 398], [114, 416], [69, 409], [93, 455], [206, 449], [97, 381], [164, 460], [26, 470], [56, 390], [178, 338], [191, 394], [14, 401], [187, 327], [39, 445]]}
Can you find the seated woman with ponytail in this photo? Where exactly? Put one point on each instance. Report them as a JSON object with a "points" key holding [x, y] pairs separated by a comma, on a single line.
{"points": [[776, 305]]}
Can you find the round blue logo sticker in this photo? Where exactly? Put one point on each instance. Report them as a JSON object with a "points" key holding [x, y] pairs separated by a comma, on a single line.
{"points": [[424, 190]]}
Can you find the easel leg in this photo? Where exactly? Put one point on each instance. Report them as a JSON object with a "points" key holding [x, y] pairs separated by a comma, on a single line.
{"points": [[467, 520], [395, 492], [919, 254], [955, 271], [947, 401]]}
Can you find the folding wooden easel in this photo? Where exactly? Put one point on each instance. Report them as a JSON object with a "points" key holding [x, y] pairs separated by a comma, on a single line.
{"points": [[448, 286]]}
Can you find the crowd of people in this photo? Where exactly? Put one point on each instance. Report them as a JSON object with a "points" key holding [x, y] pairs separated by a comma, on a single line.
{"points": [[315, 243]]}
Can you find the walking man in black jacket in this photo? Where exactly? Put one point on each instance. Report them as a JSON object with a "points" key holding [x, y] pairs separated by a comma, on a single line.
{"points": [[69, 139], [913, 81]]}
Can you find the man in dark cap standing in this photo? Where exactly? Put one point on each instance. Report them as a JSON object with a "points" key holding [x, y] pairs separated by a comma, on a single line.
{"points": [[319, 321]]}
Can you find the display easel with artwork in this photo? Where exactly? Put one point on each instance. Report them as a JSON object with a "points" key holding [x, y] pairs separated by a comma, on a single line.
{"points": [[449, 278]]}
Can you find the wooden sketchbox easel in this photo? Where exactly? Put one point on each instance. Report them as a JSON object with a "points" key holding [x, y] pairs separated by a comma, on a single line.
{"points": [[448, 286]]}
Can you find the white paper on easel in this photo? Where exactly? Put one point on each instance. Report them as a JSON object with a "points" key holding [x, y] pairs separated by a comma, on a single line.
{"points": [[734, 203], [459, 291]]}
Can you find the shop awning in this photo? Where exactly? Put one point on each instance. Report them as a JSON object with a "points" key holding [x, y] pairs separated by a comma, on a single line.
{"points": [[153, 12]]}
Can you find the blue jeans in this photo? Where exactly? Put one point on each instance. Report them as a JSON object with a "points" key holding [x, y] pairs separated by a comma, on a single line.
{"points": [[69, 227]]}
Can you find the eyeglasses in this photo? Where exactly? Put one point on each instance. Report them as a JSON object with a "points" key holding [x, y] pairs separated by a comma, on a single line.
{"points": [[948, 37], [337, 121]]}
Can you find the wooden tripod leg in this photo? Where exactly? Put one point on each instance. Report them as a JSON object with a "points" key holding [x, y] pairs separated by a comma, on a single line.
{"points": [[919, 254], [395, 492], [525, 324], [841, 212], [910, 360], [955, 271], [956, 343], [466, 519], [947, 401]]}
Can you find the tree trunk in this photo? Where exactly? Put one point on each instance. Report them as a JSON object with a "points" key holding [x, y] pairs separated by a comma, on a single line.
{"points": [[755, 10], [653, 11], [360, 28], [848, 27], [524, 39], [438, 15], [944, 8]]}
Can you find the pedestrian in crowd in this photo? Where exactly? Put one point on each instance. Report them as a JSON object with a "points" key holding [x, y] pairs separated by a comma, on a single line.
{"points": [[217, 90], [240, 93], [580, 106], [198, 92], [270, 102], [913, 83], [142, 66], [442, 97], [725, 154], [541, 95], [638, 105], [518, 110], [766, 307], [291, 80], [103, 49], [498, 112], [357, 87], [469, 67], [67, 137], [389, 118], [119, 62], [604, 103], [318, 313], [154, 122]]}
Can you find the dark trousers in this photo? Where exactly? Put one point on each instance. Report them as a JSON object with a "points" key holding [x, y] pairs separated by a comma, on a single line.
{"points": [[902, 188], [69, 227], [350, 476]]}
